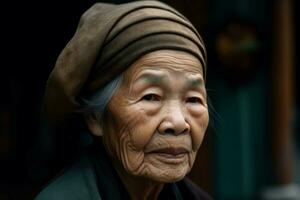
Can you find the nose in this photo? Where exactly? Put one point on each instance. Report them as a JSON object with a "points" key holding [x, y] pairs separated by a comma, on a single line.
{"points": [[174, 122]]}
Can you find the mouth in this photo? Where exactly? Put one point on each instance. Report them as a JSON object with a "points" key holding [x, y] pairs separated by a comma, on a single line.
{"points": [[170, 151], [170, 155]]}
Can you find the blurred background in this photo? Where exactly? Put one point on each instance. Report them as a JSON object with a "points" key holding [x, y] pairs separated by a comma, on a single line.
{"points": [[252, 148]]}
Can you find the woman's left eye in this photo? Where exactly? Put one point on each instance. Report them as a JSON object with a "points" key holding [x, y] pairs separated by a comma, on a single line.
{"points": [[194, 100]]}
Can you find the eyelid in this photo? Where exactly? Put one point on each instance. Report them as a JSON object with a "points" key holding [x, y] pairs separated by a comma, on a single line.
{"points": [[152, 90], [199, 90]]}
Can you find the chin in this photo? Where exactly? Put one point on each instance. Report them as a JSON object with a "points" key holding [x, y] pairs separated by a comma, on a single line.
{"points": [[168, 176]]}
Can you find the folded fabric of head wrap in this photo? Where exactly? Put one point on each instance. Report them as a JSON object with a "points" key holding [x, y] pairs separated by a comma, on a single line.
{"points": [[109, 38]]}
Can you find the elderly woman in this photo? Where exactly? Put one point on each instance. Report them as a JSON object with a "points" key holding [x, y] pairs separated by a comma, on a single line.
{"points": [[136, 73]]}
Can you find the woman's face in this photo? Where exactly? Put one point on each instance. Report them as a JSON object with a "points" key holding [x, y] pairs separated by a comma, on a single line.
{"points": [[156, 120]]}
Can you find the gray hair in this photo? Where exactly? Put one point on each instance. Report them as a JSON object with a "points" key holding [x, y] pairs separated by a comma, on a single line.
{"points": [[97, 103]]}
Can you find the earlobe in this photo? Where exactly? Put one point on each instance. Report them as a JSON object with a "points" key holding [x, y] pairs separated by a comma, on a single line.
{"points": [[93, 123]]}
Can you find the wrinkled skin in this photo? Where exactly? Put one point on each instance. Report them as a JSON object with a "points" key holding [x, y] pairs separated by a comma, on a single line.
{"points": [[157, 119]]}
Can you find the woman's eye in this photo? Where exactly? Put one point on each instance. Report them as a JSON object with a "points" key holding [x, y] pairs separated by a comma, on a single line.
{"points": [[151, 97], [194, 100]]}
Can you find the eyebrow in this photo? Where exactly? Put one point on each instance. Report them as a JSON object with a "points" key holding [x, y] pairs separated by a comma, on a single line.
{"points": [[194, 83], [151, 78]]}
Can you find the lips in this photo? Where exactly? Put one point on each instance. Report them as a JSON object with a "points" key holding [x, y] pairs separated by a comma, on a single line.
{"points": [[170, 151]]}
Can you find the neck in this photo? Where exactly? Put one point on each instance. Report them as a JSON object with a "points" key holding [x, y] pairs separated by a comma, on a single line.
{"points": [[139, 187]]}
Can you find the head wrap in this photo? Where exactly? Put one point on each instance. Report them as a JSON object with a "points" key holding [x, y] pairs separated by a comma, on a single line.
{"points": [[108, 39]]}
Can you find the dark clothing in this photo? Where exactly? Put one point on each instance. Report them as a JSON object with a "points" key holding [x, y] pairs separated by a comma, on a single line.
{"points": [[94, 178]]}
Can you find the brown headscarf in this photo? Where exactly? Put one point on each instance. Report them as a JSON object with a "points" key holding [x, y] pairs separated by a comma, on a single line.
{"points": [[109, 38]]}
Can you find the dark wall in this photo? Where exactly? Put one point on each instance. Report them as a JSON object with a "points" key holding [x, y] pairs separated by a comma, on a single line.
{"points": [[34, 35]]}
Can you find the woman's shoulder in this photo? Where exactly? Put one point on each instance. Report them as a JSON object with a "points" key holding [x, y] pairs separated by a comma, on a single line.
{"points": [[76, 182]]}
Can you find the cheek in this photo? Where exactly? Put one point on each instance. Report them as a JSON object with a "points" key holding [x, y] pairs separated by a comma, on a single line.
{"points": [[199, 125], [139, 126]]}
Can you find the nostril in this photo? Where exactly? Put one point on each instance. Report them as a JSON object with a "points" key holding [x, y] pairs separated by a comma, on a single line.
{"points": [[169, 131], [185, 130], [172, 131]]}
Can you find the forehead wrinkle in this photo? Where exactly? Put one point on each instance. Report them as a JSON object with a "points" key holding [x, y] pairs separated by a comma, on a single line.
{"points": [[175, 61], [173, 65]]}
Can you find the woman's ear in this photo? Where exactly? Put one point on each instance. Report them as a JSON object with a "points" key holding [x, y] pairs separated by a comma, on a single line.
{"points": [[93, 123]]}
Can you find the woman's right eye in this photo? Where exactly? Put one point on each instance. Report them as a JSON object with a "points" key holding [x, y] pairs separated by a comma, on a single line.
{"points": [[151, 97]]}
